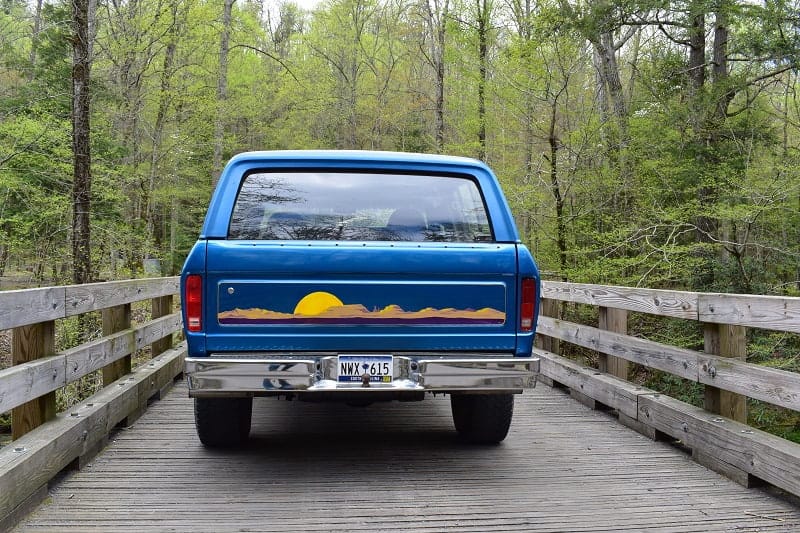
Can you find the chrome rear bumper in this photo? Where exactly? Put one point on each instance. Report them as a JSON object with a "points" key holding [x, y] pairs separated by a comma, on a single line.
{"points": [[268, 374]]}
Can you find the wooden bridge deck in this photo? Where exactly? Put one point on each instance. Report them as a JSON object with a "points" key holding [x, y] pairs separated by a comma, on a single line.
{"points": [[320, 467]]}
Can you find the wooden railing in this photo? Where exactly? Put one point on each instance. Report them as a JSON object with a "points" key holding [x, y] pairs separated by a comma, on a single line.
{"points": [[46, 442], [718, 434]]}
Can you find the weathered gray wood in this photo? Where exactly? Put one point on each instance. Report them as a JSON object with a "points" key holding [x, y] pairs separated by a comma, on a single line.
{"points": [[160, 307], [568, 331], [678, 361], [616, 321], [608, 390], [95, 296], [158, 328], [29, 306], [771, 385], [23, 509], [721, 467], [551, 308], [767, 312], [398, 467], [639, 427], [117, 319], [25, 382], [677, 304], [765, 456], [36, 457], [725, 341], [29, 343]]}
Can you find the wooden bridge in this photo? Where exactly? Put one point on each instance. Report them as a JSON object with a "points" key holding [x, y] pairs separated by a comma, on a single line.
{"points": [[111, 463]]}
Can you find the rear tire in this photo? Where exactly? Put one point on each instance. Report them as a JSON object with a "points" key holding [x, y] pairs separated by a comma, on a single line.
{"points": [[223, 422], [482, 418]]}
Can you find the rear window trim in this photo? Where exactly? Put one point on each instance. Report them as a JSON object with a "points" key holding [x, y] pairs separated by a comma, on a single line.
{"points": [[356, 170]]}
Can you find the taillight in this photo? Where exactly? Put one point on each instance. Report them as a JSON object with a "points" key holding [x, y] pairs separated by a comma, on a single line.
{"points": [[193, 298], [527, 305]]}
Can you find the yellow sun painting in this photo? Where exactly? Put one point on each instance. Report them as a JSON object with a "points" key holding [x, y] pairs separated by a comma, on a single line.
{"points": [[316, 303]]}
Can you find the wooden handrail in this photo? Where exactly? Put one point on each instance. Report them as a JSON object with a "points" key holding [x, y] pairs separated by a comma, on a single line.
{"points": [[718, 435], [31, 306], [45, 442], [28, 386], [777, 313]]}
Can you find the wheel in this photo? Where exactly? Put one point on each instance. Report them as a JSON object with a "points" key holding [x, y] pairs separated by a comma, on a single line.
{"points": [[482, 418], [222, 422]]}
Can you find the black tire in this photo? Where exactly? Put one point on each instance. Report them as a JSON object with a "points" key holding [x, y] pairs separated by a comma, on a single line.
{"points": [[223, 422], [482, 418]]}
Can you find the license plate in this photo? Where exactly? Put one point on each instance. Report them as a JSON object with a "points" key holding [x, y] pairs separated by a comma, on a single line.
{"points": [[353, 368]]}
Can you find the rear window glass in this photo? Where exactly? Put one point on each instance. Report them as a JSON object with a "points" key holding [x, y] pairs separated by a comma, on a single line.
{"points": [[340, 206]]}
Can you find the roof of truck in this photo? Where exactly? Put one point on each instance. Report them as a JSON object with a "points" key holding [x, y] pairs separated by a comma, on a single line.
{"points": [[357, 155]]}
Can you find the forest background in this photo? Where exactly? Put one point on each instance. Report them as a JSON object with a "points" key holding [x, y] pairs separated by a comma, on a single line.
{"points": [[646, 143]]}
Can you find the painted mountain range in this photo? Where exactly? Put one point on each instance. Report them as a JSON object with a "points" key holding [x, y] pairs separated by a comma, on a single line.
{"points": [[358, 314]]}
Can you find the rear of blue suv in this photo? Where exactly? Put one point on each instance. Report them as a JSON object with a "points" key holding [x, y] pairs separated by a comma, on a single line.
{"points": [[358, 277]]}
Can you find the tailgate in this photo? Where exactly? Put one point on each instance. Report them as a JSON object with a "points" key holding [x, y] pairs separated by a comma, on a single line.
{"points": [[360, 296]]}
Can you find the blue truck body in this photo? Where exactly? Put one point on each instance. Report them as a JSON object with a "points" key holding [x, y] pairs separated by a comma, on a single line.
{"points": [[285, 311]]}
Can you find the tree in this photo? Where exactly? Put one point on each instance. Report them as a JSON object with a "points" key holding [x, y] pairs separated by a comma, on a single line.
{"points": [[81, 132]]}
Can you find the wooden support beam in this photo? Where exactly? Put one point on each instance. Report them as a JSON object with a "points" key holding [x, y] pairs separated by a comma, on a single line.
{"points": [[550, 308], [724, 340], [30, 343], [161, 306], [116, 319], [614, 320]]}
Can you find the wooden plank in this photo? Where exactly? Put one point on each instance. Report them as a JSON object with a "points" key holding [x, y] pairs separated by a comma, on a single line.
{"points": [[726, 341], [766, 312], [551, 308], [765, 456], [29, 343], [158, 328], [616, 321], [30, 306], [161, 306], [96, 296], [24, 382], [608, 390], [98, 354], [568, 331], [771, 385], [116, 319], [39, 455], [678, 361], [677, 304]]}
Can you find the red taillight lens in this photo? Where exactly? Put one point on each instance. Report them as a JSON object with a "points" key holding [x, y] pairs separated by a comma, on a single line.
{"points": [[193, 299], [527, 305]]}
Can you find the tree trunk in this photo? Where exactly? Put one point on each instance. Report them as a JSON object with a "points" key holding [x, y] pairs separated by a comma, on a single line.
{"points": [[483, 11], [436, 13], [722, 92], [555, 189], [82, 180], [222, 91], [37, 26], [158, 130]]}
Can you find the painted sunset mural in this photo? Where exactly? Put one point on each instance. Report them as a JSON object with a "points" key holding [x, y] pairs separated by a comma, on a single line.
{"points": [[325, 308]]}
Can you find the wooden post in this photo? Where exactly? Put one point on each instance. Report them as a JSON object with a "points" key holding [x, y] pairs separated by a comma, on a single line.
{"points": [[161, 306], [116, 319], [29, 343], [551, 308], [615, 320], [724, 340]]}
